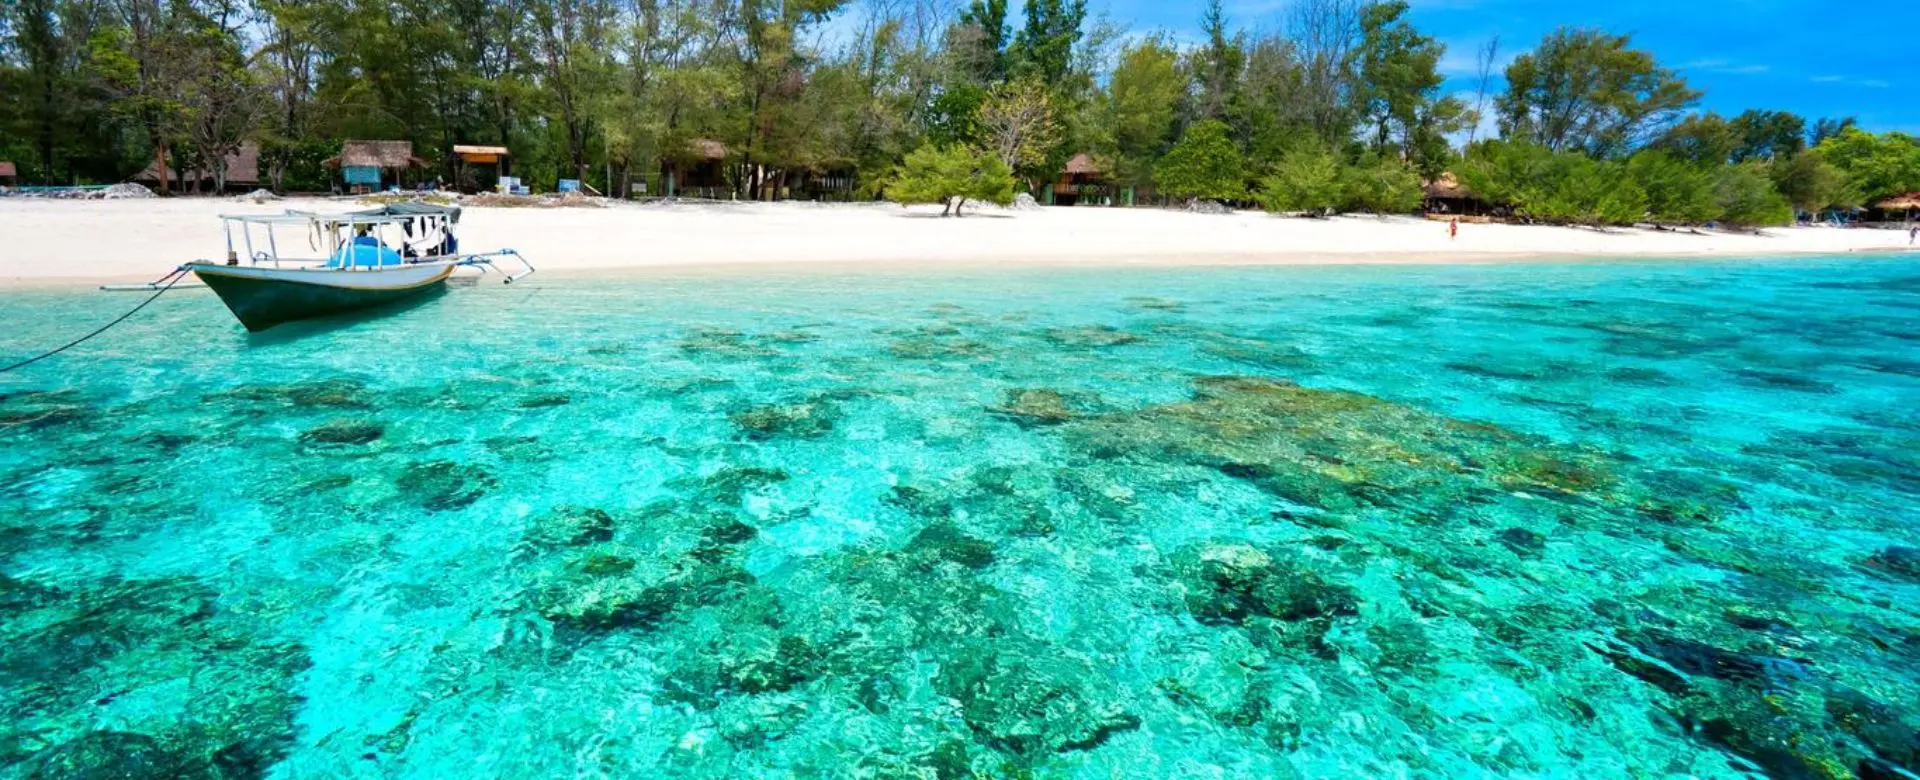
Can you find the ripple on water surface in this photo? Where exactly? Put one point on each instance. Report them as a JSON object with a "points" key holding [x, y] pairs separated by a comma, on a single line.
{"points": [[1597, 521]]}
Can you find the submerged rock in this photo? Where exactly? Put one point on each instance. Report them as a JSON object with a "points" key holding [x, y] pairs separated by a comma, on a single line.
{"points": [[546, 401], [1899, 561], [1150, 303], [72, 656], [733, 483], [1035, 407], [569, 526], [325, 393], [1033, 704], [106, 755], [1783, 380], [344, 432], [942, 541], [524, 449], [442, 484], [39, 410], [1232, 582], [723, 342], [1089, 336], [806, 420], [751, 661], [1522, 541]]}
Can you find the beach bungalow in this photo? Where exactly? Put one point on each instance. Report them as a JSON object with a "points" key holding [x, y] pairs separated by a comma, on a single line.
{"points": [[1447, 198], [1083, 180], [468, 180], [369, 166], [1900, 209], [240, 170], [9, 174], [699, 172]]}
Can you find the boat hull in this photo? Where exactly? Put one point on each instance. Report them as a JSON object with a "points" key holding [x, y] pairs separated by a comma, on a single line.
{"points": [[264, 297]]}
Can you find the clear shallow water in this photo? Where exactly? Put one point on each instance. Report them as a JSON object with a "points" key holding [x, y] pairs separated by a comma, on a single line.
{"points": [[1559, 520]]}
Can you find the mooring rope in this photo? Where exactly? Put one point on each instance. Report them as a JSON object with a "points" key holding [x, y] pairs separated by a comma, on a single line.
{"points": [[170, 279]]}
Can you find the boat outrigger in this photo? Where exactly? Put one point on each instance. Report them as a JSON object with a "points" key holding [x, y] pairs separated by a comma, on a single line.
{"points": [[372, 257]]}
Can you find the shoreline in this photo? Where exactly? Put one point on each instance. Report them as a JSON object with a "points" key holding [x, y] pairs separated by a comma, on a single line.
{"points": [[70, 244], [753, 269]]}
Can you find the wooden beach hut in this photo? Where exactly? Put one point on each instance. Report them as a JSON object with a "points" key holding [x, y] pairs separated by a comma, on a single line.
{"points": [[9, 174], [471, 157], [1900, 208], [1446, 198], [239, 170], [1082, 180], [698, 172], [368, 166]]}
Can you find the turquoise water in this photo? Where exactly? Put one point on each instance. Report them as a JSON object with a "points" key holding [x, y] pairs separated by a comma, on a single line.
{"points": [[1624, 520]]}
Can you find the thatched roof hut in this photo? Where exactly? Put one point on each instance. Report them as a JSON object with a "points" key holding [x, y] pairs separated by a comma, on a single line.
{"points": [[1083, 164], [706, 149], [385, 155], [242, 168], [1446, 197], [7, 170], [1447, 187], [1905, 202]]}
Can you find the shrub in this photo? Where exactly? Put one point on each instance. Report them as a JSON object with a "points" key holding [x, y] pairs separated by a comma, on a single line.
{"points": [[1204, 164]]}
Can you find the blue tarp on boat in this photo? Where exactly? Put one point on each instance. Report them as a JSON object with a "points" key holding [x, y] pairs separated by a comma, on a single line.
{"points": [[365, 251]]}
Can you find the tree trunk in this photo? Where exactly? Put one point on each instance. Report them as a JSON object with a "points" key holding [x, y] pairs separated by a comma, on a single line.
{"points": [[160, 153]]}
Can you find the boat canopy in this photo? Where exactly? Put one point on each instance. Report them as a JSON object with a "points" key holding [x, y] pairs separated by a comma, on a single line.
{"points": [[450, 213]]}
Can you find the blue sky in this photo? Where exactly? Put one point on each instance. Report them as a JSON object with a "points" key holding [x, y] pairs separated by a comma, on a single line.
{"points": [[1810, 58]]}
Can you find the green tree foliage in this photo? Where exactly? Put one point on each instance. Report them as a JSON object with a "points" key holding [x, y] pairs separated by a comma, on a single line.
{"points": [[1399, 70], [1204, 165], [1307, 179], [1587, 90], [1380, 185], [1702, 139], [1554, 187], [1829, 127], [982, 47], [1747, 198], [1018, 125], [951, 176], [1218, 67], [1811, 184], [1144, 96], [1044, 46], [614, 92], [1768, 135], [1678, 192], [1875, 166]]}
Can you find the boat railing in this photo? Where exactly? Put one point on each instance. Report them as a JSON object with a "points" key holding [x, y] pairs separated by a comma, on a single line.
{"points": [[330, 233]]}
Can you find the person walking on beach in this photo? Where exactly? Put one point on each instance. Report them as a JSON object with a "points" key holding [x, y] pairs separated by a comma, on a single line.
{"points": [[1912, 233], [1453, 229]]}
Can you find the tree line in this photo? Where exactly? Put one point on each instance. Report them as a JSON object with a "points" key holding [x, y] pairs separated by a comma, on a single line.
{"points": [[1341, 107]]}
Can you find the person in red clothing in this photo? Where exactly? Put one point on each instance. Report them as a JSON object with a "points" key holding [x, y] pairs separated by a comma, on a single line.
{"points": [[1453, 229]]}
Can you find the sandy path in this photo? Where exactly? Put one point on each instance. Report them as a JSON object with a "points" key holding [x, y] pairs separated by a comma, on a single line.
{"points": [[56, 242]]}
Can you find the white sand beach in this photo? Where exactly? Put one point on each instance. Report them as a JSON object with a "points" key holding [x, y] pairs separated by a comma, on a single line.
{"points": [[73, 242]]}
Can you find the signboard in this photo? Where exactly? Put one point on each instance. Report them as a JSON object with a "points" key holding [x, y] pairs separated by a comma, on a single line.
{"points": [[569, 185], [361, 174]]}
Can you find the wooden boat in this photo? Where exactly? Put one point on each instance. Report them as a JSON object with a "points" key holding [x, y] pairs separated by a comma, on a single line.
{"points": [[264, 297], [372, 258]]}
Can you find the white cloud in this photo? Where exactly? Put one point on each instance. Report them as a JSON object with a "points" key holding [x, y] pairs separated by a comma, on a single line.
{"points": [[1724, 66], [1849, 81]]}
